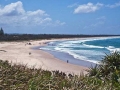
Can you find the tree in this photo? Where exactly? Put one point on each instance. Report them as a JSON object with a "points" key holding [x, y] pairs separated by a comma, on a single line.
{"points": [[1, 32]]}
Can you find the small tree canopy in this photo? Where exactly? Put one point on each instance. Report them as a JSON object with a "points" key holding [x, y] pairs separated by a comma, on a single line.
{"points": [[1, 32]]}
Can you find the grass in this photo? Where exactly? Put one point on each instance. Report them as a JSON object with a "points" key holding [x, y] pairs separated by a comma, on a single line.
{"points": [[20, 77]]}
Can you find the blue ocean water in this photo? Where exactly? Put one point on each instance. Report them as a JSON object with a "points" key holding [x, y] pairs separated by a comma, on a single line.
{"points": [[88, 49]]}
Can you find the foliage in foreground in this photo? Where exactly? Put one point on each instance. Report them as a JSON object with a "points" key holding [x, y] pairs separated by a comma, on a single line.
{"points": [[102, 77], [108, 70]]}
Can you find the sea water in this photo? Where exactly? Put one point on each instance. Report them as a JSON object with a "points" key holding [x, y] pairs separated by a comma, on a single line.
{"points": [[87, 49]]}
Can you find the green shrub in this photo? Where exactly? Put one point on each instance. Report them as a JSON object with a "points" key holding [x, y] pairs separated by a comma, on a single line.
{"points": [[108, 70]]}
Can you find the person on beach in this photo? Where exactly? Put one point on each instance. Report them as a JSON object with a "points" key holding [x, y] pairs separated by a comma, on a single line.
{"points": [[29, 53], [67, 61]]}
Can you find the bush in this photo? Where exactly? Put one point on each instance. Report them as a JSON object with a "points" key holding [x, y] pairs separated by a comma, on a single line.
{"points": [[108, 70]]}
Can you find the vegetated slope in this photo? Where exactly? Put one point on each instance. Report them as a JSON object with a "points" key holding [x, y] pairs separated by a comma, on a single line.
{"points": [[102, 77]]}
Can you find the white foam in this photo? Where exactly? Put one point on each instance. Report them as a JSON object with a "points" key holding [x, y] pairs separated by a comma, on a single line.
{"points": [[92, 46], [59, 49], [81, 57], [70, 52], [46, 48], [63, 45], [99, 38], [73, 42], [51, 42], [112, 49], [43, 48]]}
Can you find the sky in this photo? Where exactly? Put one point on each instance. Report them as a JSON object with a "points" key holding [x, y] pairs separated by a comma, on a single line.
{"points": [[60, 16]]}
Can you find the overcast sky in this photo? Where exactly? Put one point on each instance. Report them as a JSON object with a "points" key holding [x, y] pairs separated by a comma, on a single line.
{"points": [[60, 16]]}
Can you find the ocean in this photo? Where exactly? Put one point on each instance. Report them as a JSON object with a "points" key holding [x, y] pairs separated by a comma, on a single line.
{"points": [[87, 49]]}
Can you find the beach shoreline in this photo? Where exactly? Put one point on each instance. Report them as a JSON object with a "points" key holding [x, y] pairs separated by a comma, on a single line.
{"points": [[23, 52], [27, 53]]}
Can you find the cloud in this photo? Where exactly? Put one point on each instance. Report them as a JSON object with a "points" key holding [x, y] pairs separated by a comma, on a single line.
{"points": [[59, 23], [12, 9], [113, 27], [14, 15], [101, 18], [94, 25], [87, 8], [73, 5], [37, 13], [100, 21], [114, 5], [97, 24]]}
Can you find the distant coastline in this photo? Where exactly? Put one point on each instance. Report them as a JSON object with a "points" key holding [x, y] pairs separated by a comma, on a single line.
{"points": [[23, 37]]}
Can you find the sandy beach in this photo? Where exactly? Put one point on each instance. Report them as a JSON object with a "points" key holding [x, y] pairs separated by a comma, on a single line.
{"points": [[21, 53]]}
